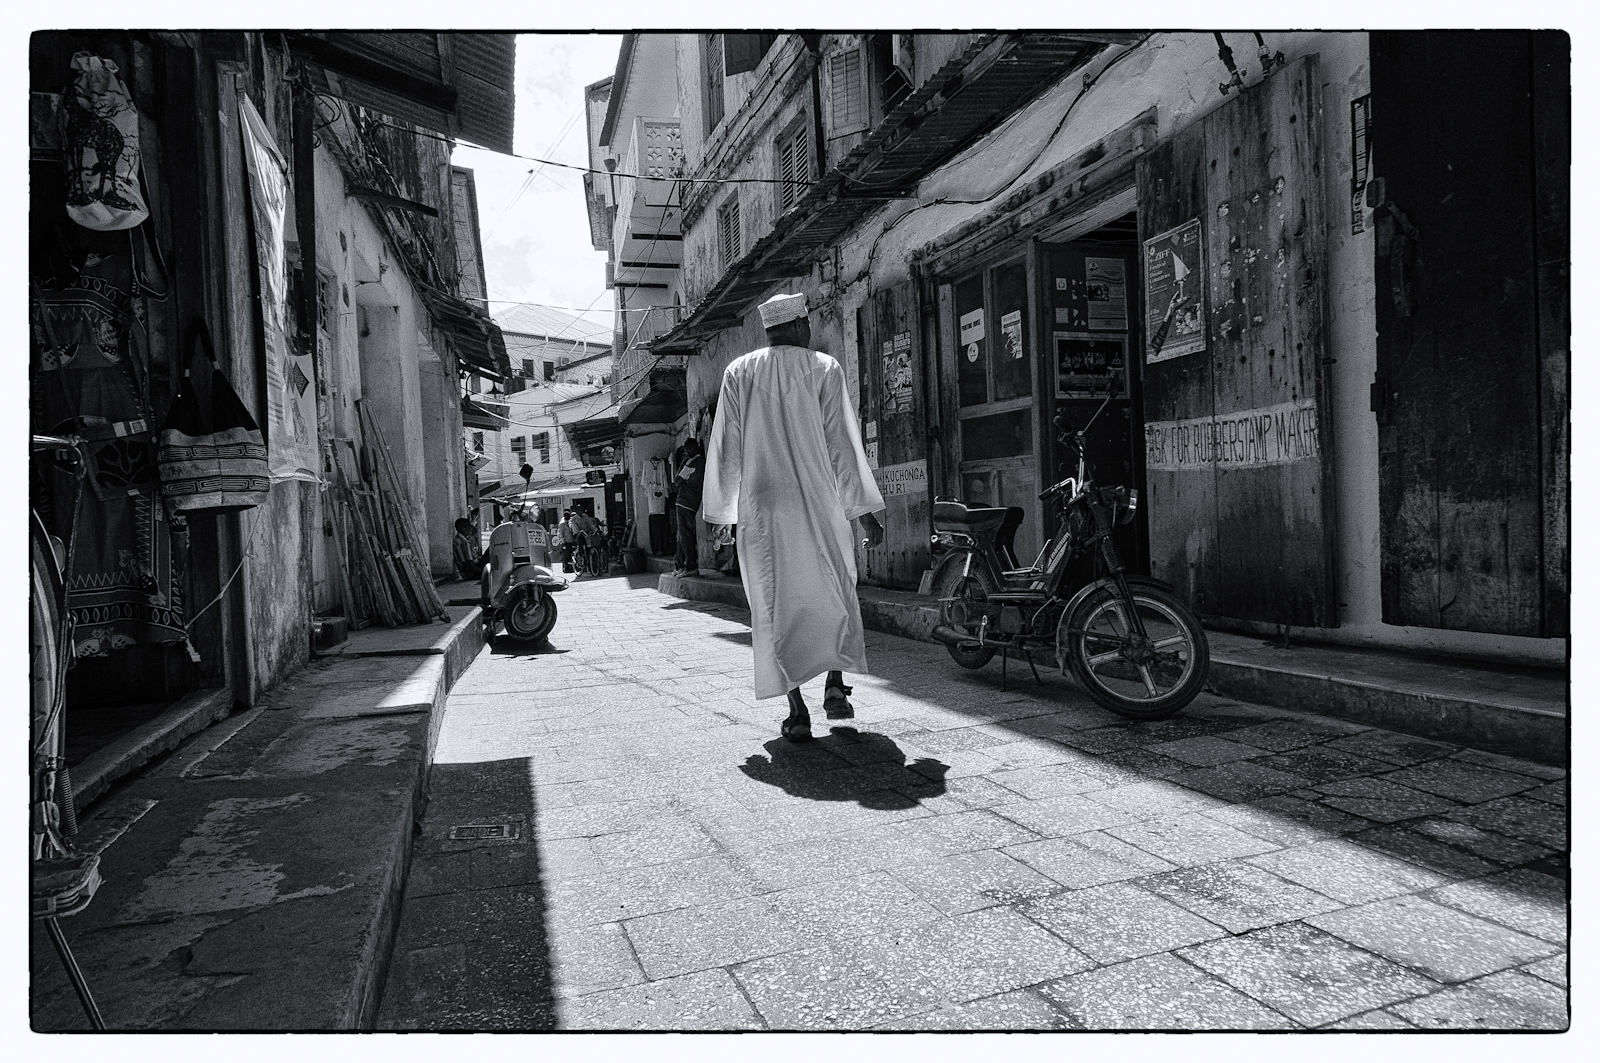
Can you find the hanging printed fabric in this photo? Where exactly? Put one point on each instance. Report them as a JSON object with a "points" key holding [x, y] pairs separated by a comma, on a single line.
{"points": [[291, 400], [102, 147], [212, 461]]}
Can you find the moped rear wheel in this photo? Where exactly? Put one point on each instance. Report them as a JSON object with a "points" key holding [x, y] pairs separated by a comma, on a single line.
{"points": [[532, 617], [973, 587], [1148, 678]]}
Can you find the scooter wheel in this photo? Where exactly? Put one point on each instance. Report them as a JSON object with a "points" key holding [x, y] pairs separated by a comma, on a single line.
{"points": [[531, 617], [1142, 682], [974, 587]]}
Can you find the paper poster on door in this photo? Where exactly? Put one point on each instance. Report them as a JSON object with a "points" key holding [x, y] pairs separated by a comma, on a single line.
{"points": [[1011, 334], [1174, 272], [897, 381], [1106, 280]]}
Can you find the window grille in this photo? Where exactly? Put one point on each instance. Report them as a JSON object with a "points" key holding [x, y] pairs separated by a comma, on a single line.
{"points": [[794, 165], [477, 442], [728, 231], [846, 93]]}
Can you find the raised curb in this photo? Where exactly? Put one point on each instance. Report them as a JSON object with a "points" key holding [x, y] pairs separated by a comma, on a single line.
{"points": [[1481, 721], [190, 715], [311, 958]]}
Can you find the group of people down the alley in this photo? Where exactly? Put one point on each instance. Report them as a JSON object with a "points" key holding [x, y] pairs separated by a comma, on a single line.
{"points": [[786, 467]]}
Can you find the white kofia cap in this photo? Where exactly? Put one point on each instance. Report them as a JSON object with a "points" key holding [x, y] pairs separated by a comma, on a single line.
{"points": [[781, 308]]}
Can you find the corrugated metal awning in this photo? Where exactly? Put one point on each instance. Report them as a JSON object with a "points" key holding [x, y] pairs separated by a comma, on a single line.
{"points": [[459, 84], [969, 96], [473, 335]]}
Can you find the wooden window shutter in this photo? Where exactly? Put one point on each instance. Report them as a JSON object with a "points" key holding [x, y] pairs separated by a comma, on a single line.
{"points": [[847, 93], [743, 52], [1238, 467], [728, 231], [713, 84], [794, 165]]}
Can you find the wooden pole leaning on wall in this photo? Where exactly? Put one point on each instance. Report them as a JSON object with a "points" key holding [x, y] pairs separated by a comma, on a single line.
{"points": [[411, 549]]}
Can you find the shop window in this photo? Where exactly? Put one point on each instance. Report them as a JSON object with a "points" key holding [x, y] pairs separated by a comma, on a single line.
{"points": [[711, 49], [794, 167], [729, 238], [847, 94], [993, 346]]}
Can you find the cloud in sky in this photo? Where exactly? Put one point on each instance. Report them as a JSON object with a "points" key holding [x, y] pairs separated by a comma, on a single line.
{"points": [[536, 227]]}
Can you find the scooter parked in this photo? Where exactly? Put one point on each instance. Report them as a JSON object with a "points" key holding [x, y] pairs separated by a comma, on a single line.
{"points": [[1137, 649], [517, 582]]}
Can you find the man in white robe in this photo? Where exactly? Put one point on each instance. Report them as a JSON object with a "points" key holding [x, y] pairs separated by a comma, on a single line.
{"points": [[786, 464]]}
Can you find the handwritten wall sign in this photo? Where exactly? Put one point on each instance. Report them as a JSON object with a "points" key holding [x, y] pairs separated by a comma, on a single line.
{"points": [[910, 478], [1174, 277], [972, 326], [1271, 435]]}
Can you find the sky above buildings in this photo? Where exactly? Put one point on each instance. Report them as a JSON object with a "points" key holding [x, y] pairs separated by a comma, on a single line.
{"points": [[535, 226]]}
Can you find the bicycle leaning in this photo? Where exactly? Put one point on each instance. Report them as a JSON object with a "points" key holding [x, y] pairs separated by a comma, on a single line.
{"points": [[63, 880]]}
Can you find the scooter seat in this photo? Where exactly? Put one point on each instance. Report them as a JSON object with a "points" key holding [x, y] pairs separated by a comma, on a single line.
{"points": [[974, 518]]}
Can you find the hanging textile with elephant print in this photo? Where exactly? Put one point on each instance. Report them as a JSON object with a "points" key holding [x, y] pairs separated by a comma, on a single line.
{"points": [[90, 378]]}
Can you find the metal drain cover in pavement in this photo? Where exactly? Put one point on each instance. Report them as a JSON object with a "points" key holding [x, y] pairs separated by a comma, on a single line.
{"points": [[486, 832]]}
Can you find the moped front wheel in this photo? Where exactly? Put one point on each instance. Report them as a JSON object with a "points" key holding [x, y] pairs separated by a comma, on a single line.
{"points": [[532, 617], [1143, 677], [973, 587]]}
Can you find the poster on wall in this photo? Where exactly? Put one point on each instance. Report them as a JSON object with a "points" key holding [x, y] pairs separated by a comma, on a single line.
{"points": [[1174, 276], [1106, 288], [291, 400], [1011, 334], [1083, 363], [897, 374]]}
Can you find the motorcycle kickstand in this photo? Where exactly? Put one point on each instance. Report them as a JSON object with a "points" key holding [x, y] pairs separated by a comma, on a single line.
{"points": [[1031, 668]]}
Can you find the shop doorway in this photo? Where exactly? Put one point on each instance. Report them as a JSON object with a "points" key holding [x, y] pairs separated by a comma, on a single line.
{"points": [[1090, 298]]}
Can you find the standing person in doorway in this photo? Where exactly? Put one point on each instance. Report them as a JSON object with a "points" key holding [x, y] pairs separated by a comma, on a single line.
{"points": [[786, 465], [691, 482]]}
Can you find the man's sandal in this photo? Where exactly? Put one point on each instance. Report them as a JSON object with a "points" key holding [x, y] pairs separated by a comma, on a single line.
{"points": [[796, 730], [836, 703]]}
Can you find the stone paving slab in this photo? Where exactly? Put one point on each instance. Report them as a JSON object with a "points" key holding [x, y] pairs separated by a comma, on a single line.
{"points": [[956, 858]]}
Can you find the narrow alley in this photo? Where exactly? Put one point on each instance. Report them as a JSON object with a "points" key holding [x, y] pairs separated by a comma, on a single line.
{"points": [[616, 839]]}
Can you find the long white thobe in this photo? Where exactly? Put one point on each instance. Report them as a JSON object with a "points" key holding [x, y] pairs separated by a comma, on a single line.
{"points": [[786, 464]]}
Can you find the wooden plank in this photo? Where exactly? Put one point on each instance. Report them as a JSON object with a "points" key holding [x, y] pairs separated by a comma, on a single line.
{"points": [[1265, 255], [1552, 161], [1182, 503]]}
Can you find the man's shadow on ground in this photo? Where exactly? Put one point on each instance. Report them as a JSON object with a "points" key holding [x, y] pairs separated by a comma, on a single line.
{"points": [[801, 771]]}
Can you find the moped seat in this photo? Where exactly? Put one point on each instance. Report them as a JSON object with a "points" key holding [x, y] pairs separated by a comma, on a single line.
{"points": [[974, 518]]}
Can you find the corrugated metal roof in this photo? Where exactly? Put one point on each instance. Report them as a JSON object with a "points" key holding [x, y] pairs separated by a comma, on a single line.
{"points": [[460, 84], [530, 319], [968, 97]]}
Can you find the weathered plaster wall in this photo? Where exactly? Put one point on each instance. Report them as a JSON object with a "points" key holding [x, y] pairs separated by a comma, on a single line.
{"points": [[1178, 75]]}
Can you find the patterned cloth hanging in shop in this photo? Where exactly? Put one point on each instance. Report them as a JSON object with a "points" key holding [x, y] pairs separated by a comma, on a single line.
{"points": [[102, 147], [90, 377]]}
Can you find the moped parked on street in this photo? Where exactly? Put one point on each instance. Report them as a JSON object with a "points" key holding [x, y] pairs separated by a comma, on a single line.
{"points": [[517, 583], [1132, 644]]}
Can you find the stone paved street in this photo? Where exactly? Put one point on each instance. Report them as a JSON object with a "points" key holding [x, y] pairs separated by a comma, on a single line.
{"points": [[958, 858]]}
